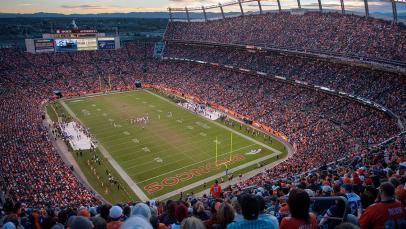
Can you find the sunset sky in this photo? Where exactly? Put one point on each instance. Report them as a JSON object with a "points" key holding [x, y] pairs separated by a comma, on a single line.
{"points": [[112, 6]]}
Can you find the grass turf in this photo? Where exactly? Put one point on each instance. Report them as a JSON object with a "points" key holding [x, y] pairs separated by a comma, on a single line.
{"points": [[97, 178], [168, 146]]}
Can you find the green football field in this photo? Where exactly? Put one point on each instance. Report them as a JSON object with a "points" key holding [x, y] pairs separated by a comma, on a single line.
{"points": [[175, 148]]}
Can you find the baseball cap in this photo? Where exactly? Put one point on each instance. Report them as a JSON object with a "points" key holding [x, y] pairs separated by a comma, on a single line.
{"points": [[115, 212], [326, 188]]}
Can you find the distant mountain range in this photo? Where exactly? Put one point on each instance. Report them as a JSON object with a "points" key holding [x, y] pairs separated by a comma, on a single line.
{"points": [[136, 15], [115, 15]]}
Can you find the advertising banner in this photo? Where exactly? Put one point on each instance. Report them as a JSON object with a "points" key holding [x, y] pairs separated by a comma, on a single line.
{"points": [[44, 45], [106, 44]]}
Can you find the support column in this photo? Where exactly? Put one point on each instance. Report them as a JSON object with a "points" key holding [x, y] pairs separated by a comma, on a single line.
{"points": [[279, 5], [260, 6], [299, 5], [342, 7], [242, 11], [366, 8], [320, 6], [395, 12], [170, 14], [222, 11], [204, 12], [187, 14]]}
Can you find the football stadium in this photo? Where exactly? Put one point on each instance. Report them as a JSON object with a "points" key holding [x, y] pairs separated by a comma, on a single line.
{"points": [[241, 114]]}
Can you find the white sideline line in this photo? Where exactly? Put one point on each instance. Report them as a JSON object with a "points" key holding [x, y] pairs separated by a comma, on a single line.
{"points": [[137, 190]]}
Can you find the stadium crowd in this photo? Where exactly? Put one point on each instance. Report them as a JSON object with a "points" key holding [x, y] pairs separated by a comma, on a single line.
{"points": [[314, 121], [340, 34], [368, 187], [386, 88], [40, 191]]}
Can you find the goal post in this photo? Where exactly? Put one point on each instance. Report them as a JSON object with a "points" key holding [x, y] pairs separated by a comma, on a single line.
{"points": [[223, 161]]}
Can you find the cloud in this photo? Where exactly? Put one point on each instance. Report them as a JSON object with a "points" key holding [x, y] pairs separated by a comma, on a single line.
{"points": [[94, 8], [183, 3], [83, 7], [25, 4]]}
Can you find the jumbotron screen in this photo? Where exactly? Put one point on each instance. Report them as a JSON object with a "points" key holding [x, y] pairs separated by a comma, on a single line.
{"points": [[66, 45], [87, 44]]}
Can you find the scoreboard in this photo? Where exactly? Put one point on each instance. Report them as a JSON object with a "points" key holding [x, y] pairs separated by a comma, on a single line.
{"points": [[72, 40], [44, 45], [71, 44]]}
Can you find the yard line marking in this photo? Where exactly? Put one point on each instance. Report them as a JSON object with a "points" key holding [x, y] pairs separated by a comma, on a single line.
{"points": [[216, 123], [221, 125], [137, 190]]}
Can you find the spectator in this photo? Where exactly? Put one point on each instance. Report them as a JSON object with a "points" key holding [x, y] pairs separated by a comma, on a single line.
{"points": [[225, 216], [192, 223], [299, 204], [143, 210], [199, 211], [80, 222], [181, 213], [213, 218], [168, 217], [354, 201], [386, 213], [136, 222], [250, 211], [115, 215], [99, 223], [263, 216], [337, 210]]}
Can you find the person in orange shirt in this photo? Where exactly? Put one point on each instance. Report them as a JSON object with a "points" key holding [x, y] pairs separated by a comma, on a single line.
{"points": [[215, 190], [300, 218], [115, 214]]}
